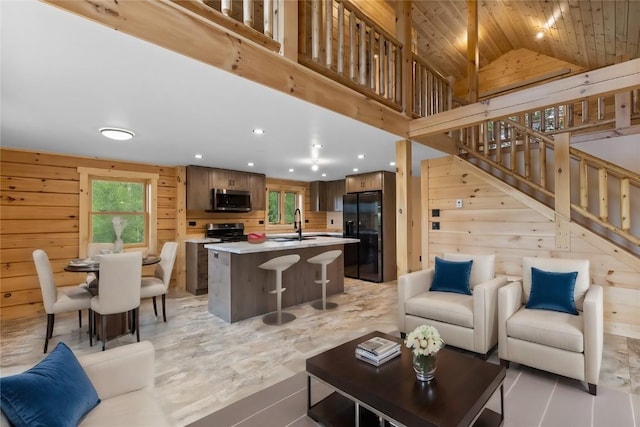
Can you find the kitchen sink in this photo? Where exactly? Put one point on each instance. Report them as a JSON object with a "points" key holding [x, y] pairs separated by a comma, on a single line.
{"points": [[290, 239]]}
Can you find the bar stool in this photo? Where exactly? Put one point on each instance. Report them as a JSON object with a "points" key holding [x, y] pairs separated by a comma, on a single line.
{"points": [[324, 259], [278, 265]]}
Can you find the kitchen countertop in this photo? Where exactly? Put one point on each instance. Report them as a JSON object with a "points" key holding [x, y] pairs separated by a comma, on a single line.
{"points": [[272, 245], [203, 240]]}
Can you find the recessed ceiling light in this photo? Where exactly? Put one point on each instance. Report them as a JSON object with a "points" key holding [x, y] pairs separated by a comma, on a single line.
{"points": [[317, 145], [117, 134], [355, 169], [314, 167], [324, 174], [198, 156], [258, 131], [291, 170], [392, 163], [361, 156], [540, 35], [250, 164]]}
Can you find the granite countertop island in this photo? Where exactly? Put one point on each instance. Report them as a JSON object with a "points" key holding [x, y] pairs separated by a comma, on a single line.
{"points": [[279, 243], [239, 289]]}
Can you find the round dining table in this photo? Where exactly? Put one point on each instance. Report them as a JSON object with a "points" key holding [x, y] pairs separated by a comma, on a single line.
{"points": [[117, 324], [93, 266]]}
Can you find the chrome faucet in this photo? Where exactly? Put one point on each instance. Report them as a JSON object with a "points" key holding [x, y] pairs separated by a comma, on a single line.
{"points": [[297, 225]]}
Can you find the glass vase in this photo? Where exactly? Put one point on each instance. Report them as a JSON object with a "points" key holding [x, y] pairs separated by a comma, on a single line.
{"points": [[425, 366]]}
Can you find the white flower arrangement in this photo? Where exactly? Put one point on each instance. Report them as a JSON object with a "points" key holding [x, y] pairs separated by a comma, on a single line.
{"points": [[424, 341]]}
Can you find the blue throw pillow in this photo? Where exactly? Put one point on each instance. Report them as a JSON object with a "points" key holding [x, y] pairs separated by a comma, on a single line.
{"points": [[452, 276], [55, 392], [552, 291]]}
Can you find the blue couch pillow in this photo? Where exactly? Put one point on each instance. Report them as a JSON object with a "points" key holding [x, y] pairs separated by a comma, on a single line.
{"points": [[452, 276], [552, 291], [55, 392]]}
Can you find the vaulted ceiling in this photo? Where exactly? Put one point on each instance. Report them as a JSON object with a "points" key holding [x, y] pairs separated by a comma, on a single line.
{"points": [[591, 34]]}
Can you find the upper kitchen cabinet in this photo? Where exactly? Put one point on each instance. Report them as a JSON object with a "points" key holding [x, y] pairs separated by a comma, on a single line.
{"points": [[228, 179], [198, 188], [258, 188], [364, 182], [326, 196], [200, 181], [317, 196], [335, 191]]}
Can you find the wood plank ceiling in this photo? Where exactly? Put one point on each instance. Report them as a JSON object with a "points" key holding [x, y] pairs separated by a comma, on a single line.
{"points": [[591, 34]]}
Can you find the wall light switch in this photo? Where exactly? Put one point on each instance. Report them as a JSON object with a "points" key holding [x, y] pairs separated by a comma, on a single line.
{"points": [[458, 203]]}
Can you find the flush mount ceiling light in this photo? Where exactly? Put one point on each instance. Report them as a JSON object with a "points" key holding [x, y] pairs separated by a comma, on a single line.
{"points": [[361, 156], [258, 131], [355, 169], [250, 164], [540, 35], [324, 174], [117, 134], [198, 156], [291, 170], [314, 167]]}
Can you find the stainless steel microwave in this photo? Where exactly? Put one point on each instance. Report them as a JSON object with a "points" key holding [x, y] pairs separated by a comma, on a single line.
{"points": [[223, 200]]}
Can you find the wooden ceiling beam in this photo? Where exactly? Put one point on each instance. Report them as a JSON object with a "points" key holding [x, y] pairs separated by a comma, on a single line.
{"points": [[604, 81], [166, 24]]}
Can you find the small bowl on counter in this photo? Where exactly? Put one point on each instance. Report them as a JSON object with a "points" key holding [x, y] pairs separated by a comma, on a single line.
{"points": [[256, 238]]}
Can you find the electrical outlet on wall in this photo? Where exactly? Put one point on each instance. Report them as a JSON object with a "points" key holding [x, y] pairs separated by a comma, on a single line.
{"points": [[458, 203]]}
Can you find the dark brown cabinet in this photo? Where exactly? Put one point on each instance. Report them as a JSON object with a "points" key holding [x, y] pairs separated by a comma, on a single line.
{"points": [[335, 192], [200, 181], [197, 265], [326, 195], [198, 188], [364, 182]]}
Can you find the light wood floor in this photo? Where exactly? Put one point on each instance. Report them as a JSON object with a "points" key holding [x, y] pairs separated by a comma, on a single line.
{"points": [[204, 364]]}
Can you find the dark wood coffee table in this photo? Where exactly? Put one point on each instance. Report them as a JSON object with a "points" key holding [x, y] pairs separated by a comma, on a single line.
{"points": [[456, 397]]}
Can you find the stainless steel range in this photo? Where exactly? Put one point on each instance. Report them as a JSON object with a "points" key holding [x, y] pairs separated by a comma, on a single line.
{"points": [[230, 232]]}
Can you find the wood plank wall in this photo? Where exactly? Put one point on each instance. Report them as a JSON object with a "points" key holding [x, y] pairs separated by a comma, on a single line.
{"points": [[39, 209], [39, 204], [514, 69], [497, 218]]}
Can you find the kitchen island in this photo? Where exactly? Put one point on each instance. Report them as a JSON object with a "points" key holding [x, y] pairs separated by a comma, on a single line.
{"points": [[239, 289]]}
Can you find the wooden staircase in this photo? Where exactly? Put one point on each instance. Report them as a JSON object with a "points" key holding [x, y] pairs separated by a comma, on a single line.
{"points": [[522, 150]]}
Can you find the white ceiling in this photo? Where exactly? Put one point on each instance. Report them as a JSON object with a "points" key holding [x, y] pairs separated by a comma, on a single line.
{"points": [[64, 77]]}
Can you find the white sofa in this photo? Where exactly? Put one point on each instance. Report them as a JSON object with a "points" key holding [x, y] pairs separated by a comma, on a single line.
{"points": [[469, 322], [558, 342], [124, 379]]}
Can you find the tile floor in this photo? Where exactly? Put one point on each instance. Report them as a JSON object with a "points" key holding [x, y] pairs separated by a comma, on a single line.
{"points": [[204, 364]]}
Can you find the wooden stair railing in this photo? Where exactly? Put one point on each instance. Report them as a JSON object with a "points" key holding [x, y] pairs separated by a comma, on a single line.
{"points": [[604, 196]]}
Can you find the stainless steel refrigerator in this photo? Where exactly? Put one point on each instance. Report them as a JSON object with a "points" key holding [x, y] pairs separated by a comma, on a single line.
{"points": [[362, 215]]}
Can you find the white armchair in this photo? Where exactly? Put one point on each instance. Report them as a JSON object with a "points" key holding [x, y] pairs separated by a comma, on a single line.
{"points": [[559, 342], [465, 321]]}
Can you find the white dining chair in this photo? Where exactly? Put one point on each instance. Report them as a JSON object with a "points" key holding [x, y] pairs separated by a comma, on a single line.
{"points": [[158, 284], [119, 291], [93, 250], [58, 299]]}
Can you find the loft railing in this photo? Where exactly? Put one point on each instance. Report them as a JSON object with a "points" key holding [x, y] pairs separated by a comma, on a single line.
{"points": [[521, 149], [432, 93], [341, 42], [253, 19]]}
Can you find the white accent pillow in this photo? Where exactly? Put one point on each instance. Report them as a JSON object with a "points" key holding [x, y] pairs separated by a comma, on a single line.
{"points": [[483, 268]]}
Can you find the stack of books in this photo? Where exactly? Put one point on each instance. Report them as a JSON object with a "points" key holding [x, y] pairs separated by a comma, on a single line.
{"points": [[377, 350]]}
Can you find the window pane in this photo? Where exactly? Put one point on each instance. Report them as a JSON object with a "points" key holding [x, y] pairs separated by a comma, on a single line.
{"points": [[102, 229], [289, 207], [274, 207], [117, 196]]}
